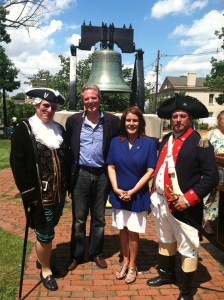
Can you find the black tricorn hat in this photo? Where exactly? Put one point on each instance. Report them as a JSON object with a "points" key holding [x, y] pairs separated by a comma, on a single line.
{"points": [[46, 94], [180, 102]]}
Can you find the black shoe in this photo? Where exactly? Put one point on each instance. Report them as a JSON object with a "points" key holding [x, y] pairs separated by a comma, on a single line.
{"points": [[186, 296], [49, 282], [163, 278]]}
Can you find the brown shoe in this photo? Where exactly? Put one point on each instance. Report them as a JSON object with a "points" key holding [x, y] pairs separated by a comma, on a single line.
{"points": [[72, 265], [100, 262]]}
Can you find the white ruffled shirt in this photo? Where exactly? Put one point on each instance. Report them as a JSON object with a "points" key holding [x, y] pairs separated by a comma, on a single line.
{"points": [[48, 134]]}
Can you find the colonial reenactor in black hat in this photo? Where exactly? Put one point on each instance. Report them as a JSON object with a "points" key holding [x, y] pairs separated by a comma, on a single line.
{"points": [[186, 172], [38, 162]]}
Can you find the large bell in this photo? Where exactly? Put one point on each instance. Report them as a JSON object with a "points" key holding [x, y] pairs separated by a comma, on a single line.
{"points": [[106, 72]]}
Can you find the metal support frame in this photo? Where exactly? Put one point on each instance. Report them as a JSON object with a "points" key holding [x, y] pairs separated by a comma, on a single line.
{"points": [[73, 80]]}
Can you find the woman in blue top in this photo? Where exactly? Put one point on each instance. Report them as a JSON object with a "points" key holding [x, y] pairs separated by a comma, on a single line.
{"points": [[131, 161]]}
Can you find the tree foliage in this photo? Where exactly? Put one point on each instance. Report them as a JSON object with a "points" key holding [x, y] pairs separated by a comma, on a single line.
{"points": [[14, 109], [19, 96], [4, 36], [8, 73], [215, 81], [29, 14]]}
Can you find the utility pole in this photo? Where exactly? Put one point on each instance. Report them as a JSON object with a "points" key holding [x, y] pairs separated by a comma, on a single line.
{"points": [[157, 81]]}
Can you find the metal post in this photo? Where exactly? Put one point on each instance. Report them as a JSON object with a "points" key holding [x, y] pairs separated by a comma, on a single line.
{"points": [[72, 84], [140, 80], [4, 109], [24, 253]]}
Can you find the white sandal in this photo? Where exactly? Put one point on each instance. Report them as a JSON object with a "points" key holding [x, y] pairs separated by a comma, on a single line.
{"points": [[130, 278], [122, 272]]}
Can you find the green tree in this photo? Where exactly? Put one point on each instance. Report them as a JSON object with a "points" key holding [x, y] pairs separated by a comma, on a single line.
{"points": [[60, 81], [10, 108], [215, 81], [8, 73], [4, 36], [19, 96], [8, 82], [27, 110], [42, 78]]}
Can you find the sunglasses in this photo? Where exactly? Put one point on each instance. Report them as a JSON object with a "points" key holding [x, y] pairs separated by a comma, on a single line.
{"points": [[45, 105]]}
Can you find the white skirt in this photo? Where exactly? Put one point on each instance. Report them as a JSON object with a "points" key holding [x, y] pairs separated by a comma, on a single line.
{"points": [[134, 221]]}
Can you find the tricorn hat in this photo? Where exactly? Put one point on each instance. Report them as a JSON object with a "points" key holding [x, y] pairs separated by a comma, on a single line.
{"points": [[46, 94], [180, 102]]}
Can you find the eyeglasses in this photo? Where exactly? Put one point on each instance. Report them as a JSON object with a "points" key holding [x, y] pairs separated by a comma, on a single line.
{"points": [[45, 105]]}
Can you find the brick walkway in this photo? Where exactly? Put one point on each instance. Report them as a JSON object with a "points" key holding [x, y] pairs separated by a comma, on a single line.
{"points": [[89, 282]]}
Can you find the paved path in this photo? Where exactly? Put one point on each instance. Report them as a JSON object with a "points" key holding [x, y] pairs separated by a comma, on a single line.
{"points": [[89, 282]]}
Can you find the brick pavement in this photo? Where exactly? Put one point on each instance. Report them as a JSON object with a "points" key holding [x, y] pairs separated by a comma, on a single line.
{"points": [[89, 282]]}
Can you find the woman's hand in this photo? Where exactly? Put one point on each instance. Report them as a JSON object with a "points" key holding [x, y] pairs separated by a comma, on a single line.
{"points": [[120, 193], [127, 195]]}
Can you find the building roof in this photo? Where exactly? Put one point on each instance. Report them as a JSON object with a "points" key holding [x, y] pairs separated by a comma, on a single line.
{"points": [[182, 81]]}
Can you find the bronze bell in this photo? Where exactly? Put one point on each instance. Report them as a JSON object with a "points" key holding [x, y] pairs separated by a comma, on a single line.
{"points": [[106, 72]]}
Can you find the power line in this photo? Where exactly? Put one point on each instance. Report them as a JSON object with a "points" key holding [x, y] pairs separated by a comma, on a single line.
{"points": [[192, 54]]}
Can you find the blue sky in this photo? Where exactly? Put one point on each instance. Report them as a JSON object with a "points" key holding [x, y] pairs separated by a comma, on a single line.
{"points": [[182, 30]]}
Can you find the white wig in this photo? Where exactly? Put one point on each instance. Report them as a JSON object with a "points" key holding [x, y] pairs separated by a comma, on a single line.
{"points": [[36, 101]]}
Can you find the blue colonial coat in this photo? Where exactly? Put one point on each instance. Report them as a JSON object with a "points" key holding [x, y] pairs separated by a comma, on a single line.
{"points": [[130, 166]]}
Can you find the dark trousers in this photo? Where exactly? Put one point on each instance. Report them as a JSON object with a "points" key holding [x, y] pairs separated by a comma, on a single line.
{"points": [[89, 195]]}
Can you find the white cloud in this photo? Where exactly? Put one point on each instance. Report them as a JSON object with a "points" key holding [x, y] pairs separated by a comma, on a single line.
{"points": [[74, 39], [163, 8], [198, 61], [73, 26], [201, 32], [31, 64], [199, 35], [183, 65], [56, 7], [33, 41], [63, 4], [203, 28]]}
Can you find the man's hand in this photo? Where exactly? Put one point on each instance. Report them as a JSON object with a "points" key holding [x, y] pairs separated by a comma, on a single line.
{"points": [[180, 204]]}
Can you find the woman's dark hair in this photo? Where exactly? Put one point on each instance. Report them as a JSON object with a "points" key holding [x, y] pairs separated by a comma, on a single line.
{"points": [[220, 115], [136, 111]]}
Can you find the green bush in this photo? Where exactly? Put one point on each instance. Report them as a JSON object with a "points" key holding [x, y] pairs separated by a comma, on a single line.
{"points": [[203, 126], [15, 109]]}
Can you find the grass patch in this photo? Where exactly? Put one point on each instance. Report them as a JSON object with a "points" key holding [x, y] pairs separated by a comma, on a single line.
{"points": [[11, 250], [5, 146]]}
